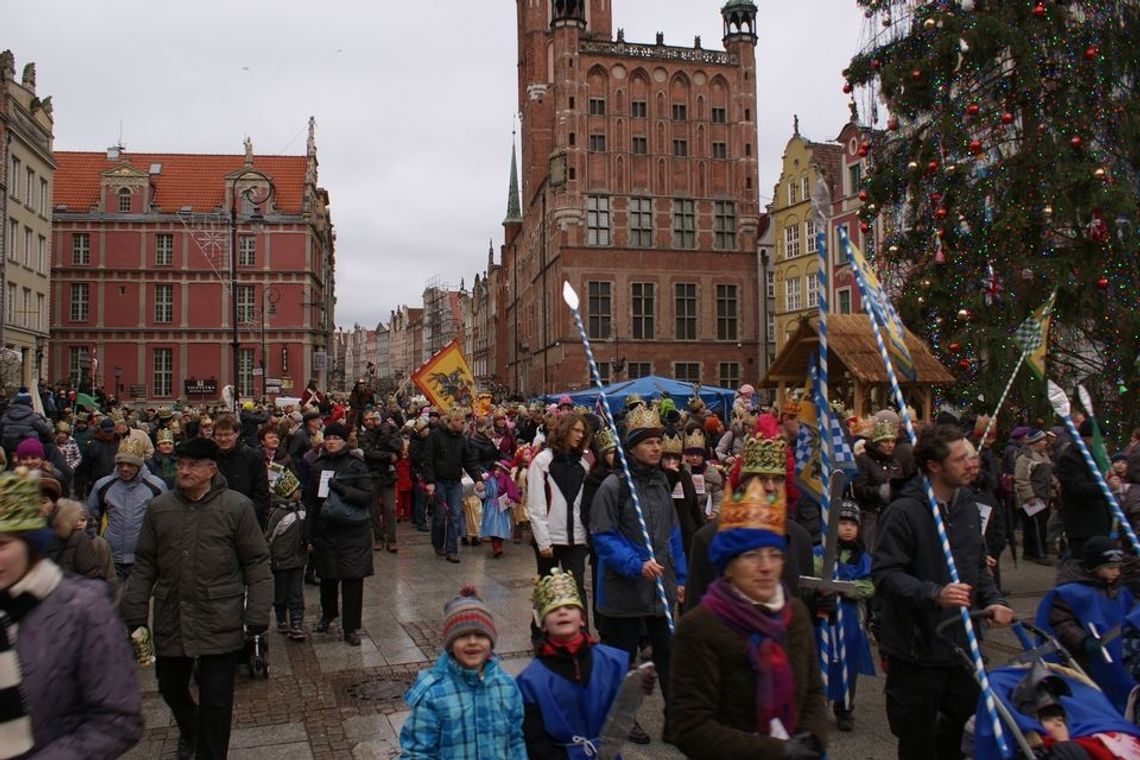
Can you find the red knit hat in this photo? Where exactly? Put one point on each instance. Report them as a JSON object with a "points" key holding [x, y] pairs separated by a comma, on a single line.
{"points": [[466, 614]]}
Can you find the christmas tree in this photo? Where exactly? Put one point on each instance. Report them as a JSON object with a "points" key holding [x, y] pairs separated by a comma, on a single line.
{"points": [[1008, 169]]}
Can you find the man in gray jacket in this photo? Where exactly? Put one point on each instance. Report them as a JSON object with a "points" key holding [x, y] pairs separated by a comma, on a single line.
{"points": [[200, 554], [121, 500]]}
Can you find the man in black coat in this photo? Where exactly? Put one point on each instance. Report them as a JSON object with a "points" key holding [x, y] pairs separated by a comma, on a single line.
{"points": [[929, 694], [1084, 511], [446, 456], [382, 445], [242, 466]]}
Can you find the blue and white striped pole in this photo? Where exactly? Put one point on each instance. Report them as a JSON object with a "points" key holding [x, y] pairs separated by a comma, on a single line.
{"points": [[1060, 403], [940, 526], [571, 298]]}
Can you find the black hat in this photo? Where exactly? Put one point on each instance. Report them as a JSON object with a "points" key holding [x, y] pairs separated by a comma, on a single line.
{"points": [[197, 448], [337, 429], [310, 416], [1086, 428], [849, 510], [1100, 551]]}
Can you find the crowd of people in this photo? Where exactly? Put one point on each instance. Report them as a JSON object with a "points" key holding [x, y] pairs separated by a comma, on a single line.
{"points": [[182, 529]]}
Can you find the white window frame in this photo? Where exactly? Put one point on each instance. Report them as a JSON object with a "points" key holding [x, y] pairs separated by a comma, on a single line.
{"points": [[792, 241], [792, 294]]}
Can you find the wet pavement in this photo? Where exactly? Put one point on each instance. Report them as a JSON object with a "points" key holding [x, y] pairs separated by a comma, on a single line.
{"points": [[326, 699]]}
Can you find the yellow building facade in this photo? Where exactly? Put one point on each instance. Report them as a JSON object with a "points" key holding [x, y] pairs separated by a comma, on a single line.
{"points": [[795, 261], [27, 169]]}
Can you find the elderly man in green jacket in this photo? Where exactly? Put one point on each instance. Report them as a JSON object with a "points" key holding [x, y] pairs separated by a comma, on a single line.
{"points": [[205, 561]]}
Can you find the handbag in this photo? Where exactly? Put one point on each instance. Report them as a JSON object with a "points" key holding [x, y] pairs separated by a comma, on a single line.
{"points": [[337, 510]]}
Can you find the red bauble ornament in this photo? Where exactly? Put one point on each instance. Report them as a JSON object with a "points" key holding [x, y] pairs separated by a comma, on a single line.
{"points": [[862, 195], [1039, 10], [916, 74], [973, 109], [847, 88], [932, 166], [935, 197], [1075, 141], [875, 64], [864, 227], [864, 148], [1102, 283], [1091, 52], [940, 213], [955, 347], [963, 364], [1007, 118], [975, 146]]}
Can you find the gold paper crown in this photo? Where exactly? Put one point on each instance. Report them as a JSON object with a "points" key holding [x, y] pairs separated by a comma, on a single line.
{"points": [[695, 440], [633, 399], [764, 456], [164, 436], [581, 410], [133, 447], [755, 509], [283, 480], [884, 430], [553, 591], [20, 501], [641, 417], [117, 417], [792, 406], [696, 404], [671, 444], [604, 440]]}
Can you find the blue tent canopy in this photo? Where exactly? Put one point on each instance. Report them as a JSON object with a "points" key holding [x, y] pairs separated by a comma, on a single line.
{"points": [[717, 399]]}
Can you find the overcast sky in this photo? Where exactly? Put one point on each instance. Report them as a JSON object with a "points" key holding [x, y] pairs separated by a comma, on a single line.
{"points": [[414, 103]]}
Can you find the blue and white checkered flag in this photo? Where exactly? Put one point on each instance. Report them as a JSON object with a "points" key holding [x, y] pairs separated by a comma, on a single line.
{"points": [[842, 458]]}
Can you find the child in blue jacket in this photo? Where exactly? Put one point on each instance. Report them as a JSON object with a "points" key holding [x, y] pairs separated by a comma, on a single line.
{"points": [[465, 706]]}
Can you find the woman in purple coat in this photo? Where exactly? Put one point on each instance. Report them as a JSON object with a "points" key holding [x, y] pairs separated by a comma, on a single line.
{"points": [[68, 687]]}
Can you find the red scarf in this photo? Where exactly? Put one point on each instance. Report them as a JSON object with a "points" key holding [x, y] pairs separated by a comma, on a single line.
{"points": [[764, 635]]}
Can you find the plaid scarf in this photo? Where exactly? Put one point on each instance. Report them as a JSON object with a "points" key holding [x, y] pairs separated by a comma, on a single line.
{"points": [[16, 736], [764, 633]]}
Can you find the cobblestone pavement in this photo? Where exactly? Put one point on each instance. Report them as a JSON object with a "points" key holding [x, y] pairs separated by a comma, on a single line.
{"points": [[325, 699]]}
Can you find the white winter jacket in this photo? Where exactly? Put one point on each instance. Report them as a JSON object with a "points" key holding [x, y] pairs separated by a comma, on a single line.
{"points": [[548, 514]]}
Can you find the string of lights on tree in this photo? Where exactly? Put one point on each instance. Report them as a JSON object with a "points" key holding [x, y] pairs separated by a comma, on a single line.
{"points": [[1008, 168]]}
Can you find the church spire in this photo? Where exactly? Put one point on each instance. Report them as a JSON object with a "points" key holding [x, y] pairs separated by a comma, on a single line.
{"points": [[514, 210]]}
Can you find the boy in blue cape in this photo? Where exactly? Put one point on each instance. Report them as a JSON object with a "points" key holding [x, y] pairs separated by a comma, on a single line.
{"points": [[571, 684], [1087, 612]]}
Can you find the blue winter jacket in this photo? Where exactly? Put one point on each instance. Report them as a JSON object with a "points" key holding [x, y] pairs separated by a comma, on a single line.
{"points": [[459, 714]]}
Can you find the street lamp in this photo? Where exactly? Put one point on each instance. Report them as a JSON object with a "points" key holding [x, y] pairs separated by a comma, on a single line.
{"points": [[256, 188], [41, 341], [269, 298]]}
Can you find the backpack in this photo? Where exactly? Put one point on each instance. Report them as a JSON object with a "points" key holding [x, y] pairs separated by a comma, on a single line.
{"points": [[286, 535]]}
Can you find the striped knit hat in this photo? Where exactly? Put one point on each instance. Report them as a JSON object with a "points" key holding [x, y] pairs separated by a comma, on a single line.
{"points": [[465, 614]]}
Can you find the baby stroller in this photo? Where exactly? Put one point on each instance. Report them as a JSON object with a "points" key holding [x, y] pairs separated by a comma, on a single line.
{"points": [[255, 653], [1030, 675]]}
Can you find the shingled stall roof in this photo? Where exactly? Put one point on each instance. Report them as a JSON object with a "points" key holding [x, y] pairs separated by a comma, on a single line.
{"points": [[184, 179], [851, 346]]}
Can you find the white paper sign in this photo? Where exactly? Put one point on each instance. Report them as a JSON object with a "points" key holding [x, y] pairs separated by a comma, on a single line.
{"points": [[323, 488], [699, 483], [1033, 507], [678, 491]]}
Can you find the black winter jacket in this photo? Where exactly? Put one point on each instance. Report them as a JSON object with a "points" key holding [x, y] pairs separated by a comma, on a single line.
{"points": [[909, 570], [1084, 511], [446, 456], [339, 551], [382, 446], [244, 470]]}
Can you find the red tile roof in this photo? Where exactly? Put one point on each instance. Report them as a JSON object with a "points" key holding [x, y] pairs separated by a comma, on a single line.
{"points": [[195, 180]]}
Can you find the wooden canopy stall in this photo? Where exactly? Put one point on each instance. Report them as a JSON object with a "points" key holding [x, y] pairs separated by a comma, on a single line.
{"points": [[855, 368]]}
